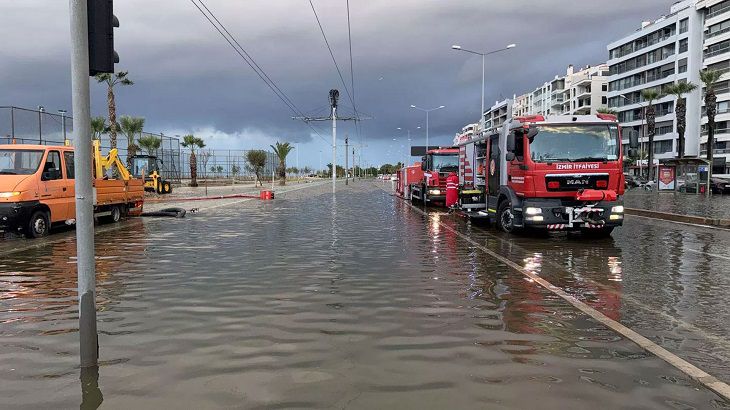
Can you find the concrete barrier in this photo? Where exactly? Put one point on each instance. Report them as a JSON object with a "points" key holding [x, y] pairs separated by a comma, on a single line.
{"points": [[692, 219]]}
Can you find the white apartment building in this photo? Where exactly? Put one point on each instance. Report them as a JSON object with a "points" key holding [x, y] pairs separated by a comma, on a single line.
{"points": [[657, 55], [575, 93], [715, 15]]}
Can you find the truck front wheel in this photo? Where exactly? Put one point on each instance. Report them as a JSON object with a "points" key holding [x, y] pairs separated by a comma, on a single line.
{"points": [[39, 225], [506, 217]]}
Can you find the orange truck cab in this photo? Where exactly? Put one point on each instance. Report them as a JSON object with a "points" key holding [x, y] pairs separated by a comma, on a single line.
{"points": [[37, 189]]}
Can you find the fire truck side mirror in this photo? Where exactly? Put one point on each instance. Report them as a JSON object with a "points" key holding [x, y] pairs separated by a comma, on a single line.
{"points": [[423, 164], [532, 132], [510, 156], [634, 141], [511, 137]]}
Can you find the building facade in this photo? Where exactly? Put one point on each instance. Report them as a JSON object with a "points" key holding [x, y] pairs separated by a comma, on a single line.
{"points": [[715, 16], [657, 55]]}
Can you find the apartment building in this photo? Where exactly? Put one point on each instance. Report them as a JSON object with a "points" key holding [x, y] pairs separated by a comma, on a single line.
{"points": [[656, 55], [715, 15]]}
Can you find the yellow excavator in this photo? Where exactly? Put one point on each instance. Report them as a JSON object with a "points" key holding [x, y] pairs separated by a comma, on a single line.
{"points": [[148, 166]]}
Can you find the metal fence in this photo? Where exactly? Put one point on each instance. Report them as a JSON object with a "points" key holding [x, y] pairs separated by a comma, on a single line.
{"points": [[28, 126], [212, 163]]}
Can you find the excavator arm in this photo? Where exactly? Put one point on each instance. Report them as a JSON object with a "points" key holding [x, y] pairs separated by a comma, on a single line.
{"points": [[102, 163]]}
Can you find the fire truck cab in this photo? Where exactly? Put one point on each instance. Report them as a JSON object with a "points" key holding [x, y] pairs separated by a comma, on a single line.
{"points": [[551, 173], [436, 165]]}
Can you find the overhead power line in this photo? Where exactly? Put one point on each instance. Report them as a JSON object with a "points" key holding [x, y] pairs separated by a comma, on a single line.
{"points": [[231, 40], [326, 42]]}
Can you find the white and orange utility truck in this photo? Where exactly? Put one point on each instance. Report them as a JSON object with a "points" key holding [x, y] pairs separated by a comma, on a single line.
{"points": [[37, 188]]}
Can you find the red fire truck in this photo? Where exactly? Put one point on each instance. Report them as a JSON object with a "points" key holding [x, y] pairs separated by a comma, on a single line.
{"points": [[550, 173], [426, 181]]}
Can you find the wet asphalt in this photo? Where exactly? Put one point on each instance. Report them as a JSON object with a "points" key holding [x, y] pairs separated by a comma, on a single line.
{"points": [[357, 301]]}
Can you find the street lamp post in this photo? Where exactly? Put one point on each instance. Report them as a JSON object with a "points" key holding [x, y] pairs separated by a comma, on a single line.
{"points": [[459, 48], [427, 111]]}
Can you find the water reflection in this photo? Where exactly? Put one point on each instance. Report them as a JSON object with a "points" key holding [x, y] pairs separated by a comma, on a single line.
{"points": [[91, 396]]}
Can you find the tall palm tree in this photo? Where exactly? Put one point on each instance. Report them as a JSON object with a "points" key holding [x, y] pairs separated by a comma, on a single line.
{"points": [[709, 78], [680, 109], [193, 142], [98, 127], [132, 128], [649, 95], [149, 143], [282, 150], [111, 80]]}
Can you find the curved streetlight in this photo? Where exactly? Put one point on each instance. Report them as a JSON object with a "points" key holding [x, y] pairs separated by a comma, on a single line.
{"points": [[484, 54], [427, 111]]}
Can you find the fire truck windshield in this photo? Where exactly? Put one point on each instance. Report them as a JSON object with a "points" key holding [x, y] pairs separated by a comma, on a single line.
{"points": [[446, 163], [575, 143]]}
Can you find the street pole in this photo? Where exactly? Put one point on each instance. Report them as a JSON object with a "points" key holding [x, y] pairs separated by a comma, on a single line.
{"points": [[12, 122], [426, 132], [347, 148], [334, 147], [353, 164], [88, 337], [320, 161], [481, 113]]}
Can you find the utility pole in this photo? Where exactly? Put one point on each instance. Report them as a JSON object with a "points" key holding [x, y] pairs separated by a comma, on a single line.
{"points": [[334, 95], [353, 164], [347, 149], [88, 337]]}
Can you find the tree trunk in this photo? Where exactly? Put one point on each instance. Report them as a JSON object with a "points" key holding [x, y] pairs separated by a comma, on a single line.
{"points": [[681, 112], [651, 130], [282, 172], [112, 116], [711, 104], [193, 170]]}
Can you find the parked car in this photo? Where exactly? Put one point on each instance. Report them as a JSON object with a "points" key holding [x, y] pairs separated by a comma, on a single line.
{"points": [[719, 186], [633, 181]]}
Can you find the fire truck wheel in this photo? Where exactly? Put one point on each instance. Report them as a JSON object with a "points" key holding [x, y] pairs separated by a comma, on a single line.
{"points": [[38, 225], [598, 233], [505, 217]]}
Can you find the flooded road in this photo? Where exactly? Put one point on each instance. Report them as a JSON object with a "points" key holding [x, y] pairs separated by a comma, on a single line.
{"points": [[360, 302]]}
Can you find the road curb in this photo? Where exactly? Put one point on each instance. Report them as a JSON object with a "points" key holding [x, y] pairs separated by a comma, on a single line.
{"points": [[690, 219]]}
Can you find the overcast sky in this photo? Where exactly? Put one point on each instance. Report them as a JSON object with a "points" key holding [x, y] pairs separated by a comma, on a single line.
{"points": [[188, 79]]}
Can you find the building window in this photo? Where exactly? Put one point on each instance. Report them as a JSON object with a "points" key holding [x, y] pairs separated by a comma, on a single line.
{"points": [[683, 45], [684, 26], [661, 147], [682, 67], [604, 100], [718, 9], [604, 87]]}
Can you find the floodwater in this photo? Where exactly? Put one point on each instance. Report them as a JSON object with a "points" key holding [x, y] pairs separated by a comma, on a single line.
{"points": [[354, 302], [716, 206]]}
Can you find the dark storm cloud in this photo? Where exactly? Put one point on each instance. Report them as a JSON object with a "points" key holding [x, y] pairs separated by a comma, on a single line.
{"points": [[188, 78]]}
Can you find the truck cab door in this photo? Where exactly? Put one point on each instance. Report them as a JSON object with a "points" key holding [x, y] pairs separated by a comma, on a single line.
{"points": [[68, 160], [52, 187], [516, 168]]}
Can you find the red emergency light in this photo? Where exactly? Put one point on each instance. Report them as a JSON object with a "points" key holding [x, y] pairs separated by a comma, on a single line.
{"points": [[553, 185], [602, 183], [530, 118], [607, 117]]}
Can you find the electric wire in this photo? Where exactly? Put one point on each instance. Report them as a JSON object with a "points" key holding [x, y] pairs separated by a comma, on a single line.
{"points": [[252, 63]]}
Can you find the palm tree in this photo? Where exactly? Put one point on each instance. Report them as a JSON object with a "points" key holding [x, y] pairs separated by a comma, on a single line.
{"points": [[193, 142], [649, 95], [709, 78], [282, 150], [98, 127], [149, 143], [680, 109], [111, 80], [132, 128]]}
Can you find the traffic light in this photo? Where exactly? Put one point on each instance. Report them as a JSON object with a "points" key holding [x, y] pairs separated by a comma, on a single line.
{"points": [[101, 36]]}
